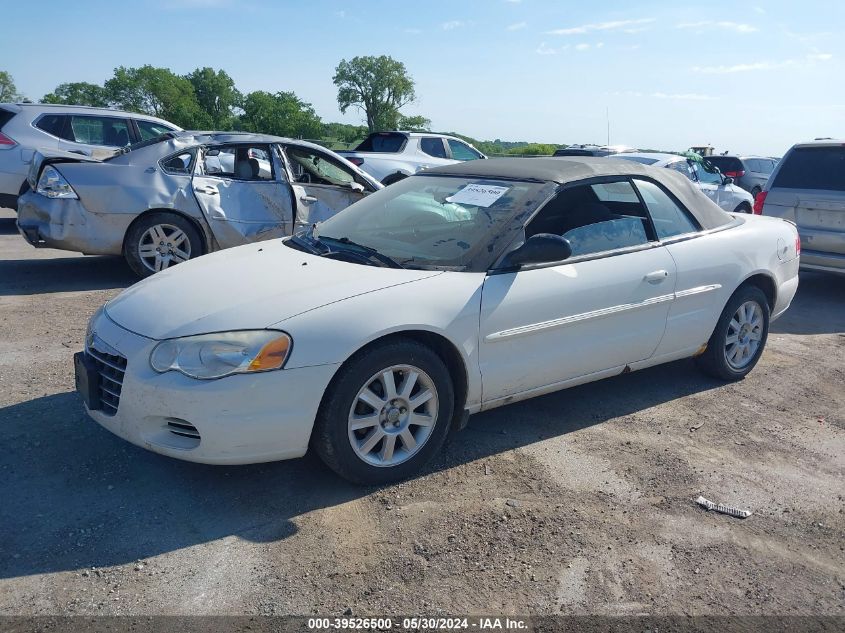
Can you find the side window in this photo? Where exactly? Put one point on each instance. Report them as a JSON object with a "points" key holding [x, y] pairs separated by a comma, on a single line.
{"points": [[669, 219], [311, 166], [462, 151], [53, 124], [181, 163], [241, 162], [433, 147], [149, 130], [100, 130], [683, 167], [595, 218]]}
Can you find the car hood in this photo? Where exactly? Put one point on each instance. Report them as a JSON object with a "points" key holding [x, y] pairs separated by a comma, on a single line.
{"points": [[248, 287]]}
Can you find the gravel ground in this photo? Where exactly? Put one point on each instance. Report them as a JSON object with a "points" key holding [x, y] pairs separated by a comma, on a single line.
{"points": [[579, 502]]}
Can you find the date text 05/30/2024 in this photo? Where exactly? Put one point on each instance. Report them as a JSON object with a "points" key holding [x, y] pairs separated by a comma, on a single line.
{"points": [[417, 624]]}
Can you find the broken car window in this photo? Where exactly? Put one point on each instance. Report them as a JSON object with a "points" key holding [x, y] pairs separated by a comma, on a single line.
{"points": [[311, 166], [240, 162], [594, 218]]}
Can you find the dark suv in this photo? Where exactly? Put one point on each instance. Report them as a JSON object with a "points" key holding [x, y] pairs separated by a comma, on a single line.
{"points": [[808, 188], [749, 172]]}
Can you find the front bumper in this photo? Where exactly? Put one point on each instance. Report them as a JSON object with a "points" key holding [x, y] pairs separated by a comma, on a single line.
{"points": [[240, 419], [64, 223]]}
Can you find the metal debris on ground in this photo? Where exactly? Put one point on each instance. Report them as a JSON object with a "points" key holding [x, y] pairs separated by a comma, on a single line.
{"points": [[718, 507]]}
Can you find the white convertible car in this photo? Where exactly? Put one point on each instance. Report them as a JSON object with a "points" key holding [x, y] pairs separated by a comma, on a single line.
{"points": [[466, 287]]}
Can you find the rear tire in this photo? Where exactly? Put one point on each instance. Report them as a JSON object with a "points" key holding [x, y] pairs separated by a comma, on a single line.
{"points": [[372, 432], [743, 207], [755, 191], [159, 240], [740, 335]]}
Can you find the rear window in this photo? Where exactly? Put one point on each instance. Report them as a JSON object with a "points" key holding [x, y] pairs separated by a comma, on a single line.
{"points": [[5, 117], [813, 168], [726, 163], [53, 124], [383, 142], [577, 152]]}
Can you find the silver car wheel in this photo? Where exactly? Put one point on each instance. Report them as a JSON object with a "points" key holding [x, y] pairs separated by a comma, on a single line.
{"points": [[393, 415], [163, 245], [745, 331]]}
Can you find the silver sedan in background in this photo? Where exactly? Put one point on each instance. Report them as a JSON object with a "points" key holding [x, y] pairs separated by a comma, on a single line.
{"points": [[183, 194], [712, 183]]}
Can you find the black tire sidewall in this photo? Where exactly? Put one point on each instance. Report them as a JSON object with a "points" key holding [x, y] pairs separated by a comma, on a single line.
{"points": [[145, 222], [330, 437], [714, 359]]}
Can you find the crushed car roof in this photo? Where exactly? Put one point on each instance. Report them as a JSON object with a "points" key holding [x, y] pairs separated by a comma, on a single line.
{"points": [[568, 169]]}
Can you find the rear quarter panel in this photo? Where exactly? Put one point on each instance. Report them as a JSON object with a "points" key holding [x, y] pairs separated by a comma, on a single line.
{"points": [[726, 258]]}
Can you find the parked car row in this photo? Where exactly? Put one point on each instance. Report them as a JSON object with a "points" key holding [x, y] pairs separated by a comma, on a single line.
{"points": [[96, 132]]}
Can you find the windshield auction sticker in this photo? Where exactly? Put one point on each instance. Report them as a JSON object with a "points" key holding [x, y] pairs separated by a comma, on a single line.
{"points": [[478, 195]]}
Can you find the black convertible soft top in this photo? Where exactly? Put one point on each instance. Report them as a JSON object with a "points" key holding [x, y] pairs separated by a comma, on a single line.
{"points": [[574, 168]]}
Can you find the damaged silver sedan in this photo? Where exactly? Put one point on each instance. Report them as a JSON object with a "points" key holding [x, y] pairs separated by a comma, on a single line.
{"points": [[164, 201]]}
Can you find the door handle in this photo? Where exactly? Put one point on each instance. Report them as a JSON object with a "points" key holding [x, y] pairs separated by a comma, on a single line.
{"points": [[657, 276], [211, 191], [308, 199]]}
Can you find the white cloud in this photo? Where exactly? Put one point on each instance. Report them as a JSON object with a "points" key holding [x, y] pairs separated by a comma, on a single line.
{"points": [[760, 10], [724, 24], [600, 26], [685, 96], [545, 49], [340, 14], [517, 26], [581, 47], [451, 24], [807, 61]]}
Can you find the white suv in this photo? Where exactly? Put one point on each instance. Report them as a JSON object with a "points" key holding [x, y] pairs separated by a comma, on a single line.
{"points": [[25, 127], [392, 156]]}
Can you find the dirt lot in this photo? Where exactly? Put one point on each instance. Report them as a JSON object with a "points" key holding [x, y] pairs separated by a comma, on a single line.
{"points": [[578, 502]]}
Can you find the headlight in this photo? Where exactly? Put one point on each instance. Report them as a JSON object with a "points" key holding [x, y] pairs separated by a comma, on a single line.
{"points": [[53, 185], [222, 354]]}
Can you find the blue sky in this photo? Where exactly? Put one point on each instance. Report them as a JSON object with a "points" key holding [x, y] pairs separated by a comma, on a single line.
{"points": [[751, 77]]}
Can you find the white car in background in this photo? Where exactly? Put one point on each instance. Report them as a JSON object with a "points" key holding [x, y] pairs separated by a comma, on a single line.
{"points": [[457, 290], [96, 132], [391, 156], [718, 188]]}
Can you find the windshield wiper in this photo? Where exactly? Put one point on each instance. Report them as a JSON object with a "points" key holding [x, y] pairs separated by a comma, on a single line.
{"points": [[368, 250]]}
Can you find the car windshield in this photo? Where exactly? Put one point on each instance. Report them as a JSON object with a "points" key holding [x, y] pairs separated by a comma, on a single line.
{"points": [[433, 221]]}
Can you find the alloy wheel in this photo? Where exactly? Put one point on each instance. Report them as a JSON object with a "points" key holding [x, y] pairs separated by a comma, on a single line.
{"points": [[163, 245], [745, 332], [393, 415]]}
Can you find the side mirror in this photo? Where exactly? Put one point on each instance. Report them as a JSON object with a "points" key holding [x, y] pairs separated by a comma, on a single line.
{"points": [[539, 249], [728, 180], [213, 152], [357, 187]]}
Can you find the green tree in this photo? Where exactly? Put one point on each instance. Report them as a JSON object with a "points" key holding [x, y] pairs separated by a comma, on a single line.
{"points": [[344, 134], [282, 114], [78, 93], [414, 123], [8, 91], [378, 86], [159, 92], [217, 96], [533, 149]]}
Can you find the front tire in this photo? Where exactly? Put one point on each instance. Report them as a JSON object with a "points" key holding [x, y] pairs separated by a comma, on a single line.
{"points": [[740, 335], [386, 413], [157, 241]]}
